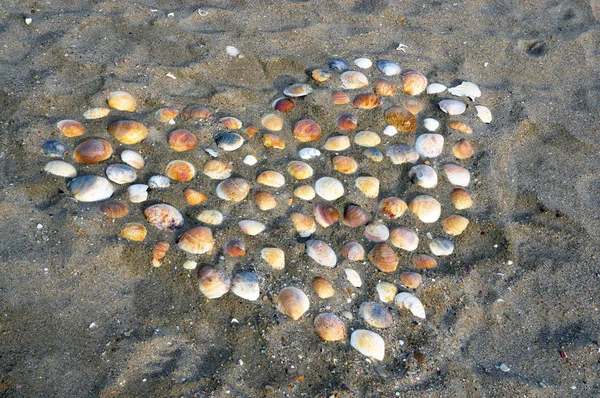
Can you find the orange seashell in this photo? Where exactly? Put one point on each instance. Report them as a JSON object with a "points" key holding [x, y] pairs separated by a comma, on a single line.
{"points": [[411, 280], [217, 169], [114, 209], [393, 207], [461, 199], [251, 131], [70, 128], [271, 178], [383, 87], [307, 130], [264, 200], [412, 105], [273, 141], [353, 251], [213, 283], [401, 119], [293, 302], [299, 170], [165, 115], [462, 150], [329, 327], [325, 215], [180, 170], [461, 126], [340, 98], [159, 252], [426, 208], [196, 112], [355, 216], [121, 101], [383, 257], [404, 238], [198, 240], [274, 257], [455, 225], [128, 131], [272, 122], [194, 197], [347, 122], [344, 164], [92, 151], [423, 261], [133, 231], [414, 83], [182, 140], [303, 224], [230, 122], [322, 287], [369, 186], [235, 248], [367, 101], [305, 192], [283, 104], [233, 189]]}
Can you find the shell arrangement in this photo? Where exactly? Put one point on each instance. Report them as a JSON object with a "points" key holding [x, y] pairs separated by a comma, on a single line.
{"points": [[318, 182]]}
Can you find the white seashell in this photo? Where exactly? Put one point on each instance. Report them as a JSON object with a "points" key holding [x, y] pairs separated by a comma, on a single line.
{"points": [[410, 302], [250, 160], [212, 217], [309, 153], [329, 188], [389, 68], [246, 285], [483, 113], [61, 168], [138, 193], [298, 90], [96, 113], [457, 175], [132, 158], [353, 277], [429, 145], [90, 188], [353, 80], [232, 51], [390, 131], [337, 143], [363, 63], [466, 89], [452, 107], [121, 173], [321, 253], [431, 124], [376, 232], [159, 182], [386, 291], [435, 88], [211, 152], [251, 227], [189, 264], [402, 153], [368, 343], [441, 247], [423, 176]]}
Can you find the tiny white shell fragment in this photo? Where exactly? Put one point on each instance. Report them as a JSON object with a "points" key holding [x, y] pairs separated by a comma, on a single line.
{"points": [[138, 193], [368, 343], [211, 152], [483, 113], [353, 277], [232, 51], [190, 265], [61, 168], [466, 89], [452, 107], [132, 158], [363, 63], [435, 88], [410, 302], [431, 124], [309, 153], [390, 131], [250, 160]]}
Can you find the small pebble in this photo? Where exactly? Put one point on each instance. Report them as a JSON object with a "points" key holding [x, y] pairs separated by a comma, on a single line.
{"points": [[250, 160], [28, 21], [232, 51]]}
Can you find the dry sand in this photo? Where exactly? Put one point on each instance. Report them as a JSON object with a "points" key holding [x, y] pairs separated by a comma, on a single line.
{"points": [[537, 203]]}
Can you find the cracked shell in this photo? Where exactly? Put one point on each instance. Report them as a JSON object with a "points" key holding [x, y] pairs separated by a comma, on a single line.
{"points": [[164, 217]]}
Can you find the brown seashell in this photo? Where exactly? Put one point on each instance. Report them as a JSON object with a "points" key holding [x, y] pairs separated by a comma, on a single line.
{"points": [[393, 207], [414, 83], [344, 164], [182, 140], [251, 131], [180, 170], [325, 215], [299, 170], [194, 197], [233, 189], [383, 87], [213, 283], [198, 240], [273, 141], [196, 112], [271, 178], [230, 122], [322, 287], [164, 217], [383, 257], [92, 151], [369, 186], [283, 104], [304, 225], [455, 225], [159, 252], [217, 169], [353, 251], [235, 248], [329, 327], [274, 257], [412, 105], [128, 131], [121, 101], [401, 119], [264, 200], [307, 130], [426, 208], [340, 98], [347, 122], [305, 192], [462, 150], [404, 238], [367, 101], [461, 126], [133, 231], [114, 209], [272, 122], [70, 128], [293, 302], [411, 280], [461, 199], [165, 115], [355, 216], [423, 261]]}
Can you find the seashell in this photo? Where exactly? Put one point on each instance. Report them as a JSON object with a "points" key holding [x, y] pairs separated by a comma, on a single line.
{"points": [[483, 113], [329, 188], [251, 227], [429, 145], [353, 277], [374, 154], [426, 208], [414, 83], [363, 63], [355, 216], [321, 253], [344, 164], [411, 280], [292, 302], [375, 315], [271, 178], [194, 197], [455, 225], [457, 175], [376, 232], [180, 170], [190, 265], [127, 131], [304, 225], [402, 153], [132, 158], [329, 327], [133, 231], [196, 112], [96, 113], [159, 252], [264, 200], [230, 141], [401, 119], [369, 186], [159, 182], [321, 75], [441, 247], [246, 285], [367, 101], [232, 51], [423, 176], [352, 80], [137, 193], [274, 257], [325, 215], [92, 151], [182, 140], [273, 141], [435, 88], [55, 149], [367, 139], [121, 173], [283, 104], [122, 101], [90, 188], [410, 302], [272, 122], [466, 89], [383, 87], [339, 65], [211, 217], [404, 238], [452, 107], [412, 105], [163, 217], [250, 160], [340, 98], [198, 240], [393, 207], [386, 291], [230, 123], [389, 68], [462, 150], [337, 143], [299, 170], [307, 130], [384, 258], [165, 115], [235, 248], [461, 126], [461, 199], [113, 209], [353, 251], [423, 261], [217, 170], [233, 189], [305, 192], [213, 283], [70, 128], [368, 343], [298, 90], [60, 168], [347, 122], [431, 124], [322, 287]]}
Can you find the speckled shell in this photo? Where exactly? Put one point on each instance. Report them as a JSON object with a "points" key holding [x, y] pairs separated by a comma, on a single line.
{"points": [[92, 151], [329, 327], [213, 283], [307, 130], [198, 240], [401, 119], [393, 207], [217, 170], [96, 113], [383, 87], [128, 131], [384, 258], [90, 188], [164, 217], [322, 287], [70, 128], [321, 253], [292, 302], [182, 140], [180, 170], [429, 145], [196, 112], [133, 231], [233, 189]]}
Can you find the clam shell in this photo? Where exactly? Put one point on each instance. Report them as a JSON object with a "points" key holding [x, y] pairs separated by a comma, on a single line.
{"points": [[457, 175], [353, 251], [133, 231], [211, 217], [60, 168], [230, 141], [251, 227], [246, 286], [367, 101], [429, 145], [353, 80], [353, 277], [182, 140], [431, 124], [159, 182], [329, 188], [411, 303], [402, 153], [55, 149], [217, 170], [90, 188], [303, 224], [340, 98], [355, 216], [461, 126], [367, 139], [461, 199], [96, 113], [325, 215], [264, 200], [113, 209], [235, 248], [271, 178], [293, 302], [128, 131], [374, 154], [344, 164], [321, 253], [483, 113], [274, 257], [322, 287], [423, 176], [347, 122], [393, 207], [121, 173], [298, 90], [70, 128], [329, 327], [121, 101], [233, 189], [412, 105], [435, 88], [299, 170], [250, 160], [196, 112], [272, 122], [390, 131], [159, 252], [466, 89], [423, 261], [368, 343], [404, 238], [452, 107], [213, 283], [414, 83], [426, 208], [307, 130], [401, 119], [321, 75], [92, 151], [363, 63], [132, 158], [455, 225], [194, 197], [305, 192], [441, 247], [389, 68], [230, 122], [309, 153], [339, 65], [369, 186], [384, 258], [165, 115], [337, 143], [180, 170], [383, 87], [375, 315], [164, 217], [137, 193], [198, 240], [386, 291], [283, 104], [462, 150], [376, 232], [190, 265], [411, 280]]}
